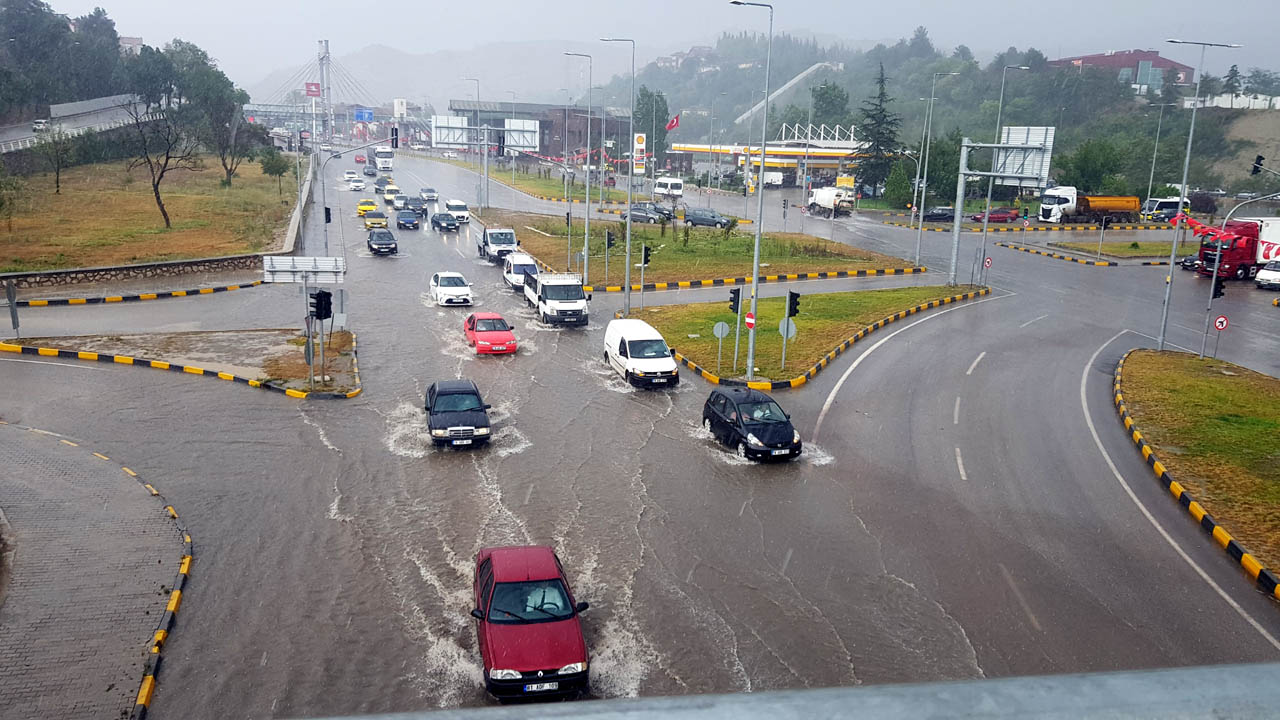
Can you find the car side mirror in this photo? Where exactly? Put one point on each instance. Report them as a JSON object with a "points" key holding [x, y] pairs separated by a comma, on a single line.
{"points": [[487, 406], [582, 606], [517, 243], [475, 613], [673, 351], [588, 297]]}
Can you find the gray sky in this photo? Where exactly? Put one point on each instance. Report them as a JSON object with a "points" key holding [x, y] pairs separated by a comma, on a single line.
{"points": [[251, 38]]}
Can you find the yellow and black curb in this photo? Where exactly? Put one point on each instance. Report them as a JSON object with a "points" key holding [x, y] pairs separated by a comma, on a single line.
{"points": [[188, 369], [1266, 579], [164, 628], [135, 298], [1036, 228], [574, 200], [1056, 256], [1276, 302], [741, 221], [830, 357]]}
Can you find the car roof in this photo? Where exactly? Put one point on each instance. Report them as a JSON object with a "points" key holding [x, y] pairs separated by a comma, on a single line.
{"points": [[488, 316], [742, 394], [450, 273], [452, 201], [633, 329], [368, 200], [517, 257], [455, 387], [408, 213], [517, 564]]}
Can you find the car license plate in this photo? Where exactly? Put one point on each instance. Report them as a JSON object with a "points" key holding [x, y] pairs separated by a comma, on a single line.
{"points": [[499, 348], [659, 380], [462, 442], [538, 687], [781, 452]]}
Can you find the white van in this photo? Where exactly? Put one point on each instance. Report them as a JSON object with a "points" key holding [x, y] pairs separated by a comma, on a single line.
{"points": [[668, 187], [514, 267], [458, 210], [638, 353]]}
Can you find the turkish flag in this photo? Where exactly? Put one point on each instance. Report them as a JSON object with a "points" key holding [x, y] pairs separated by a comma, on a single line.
{"points": [[673, 123]]}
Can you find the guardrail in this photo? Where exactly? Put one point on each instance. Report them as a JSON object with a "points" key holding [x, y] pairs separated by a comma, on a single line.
{"points": [[23, 143]]}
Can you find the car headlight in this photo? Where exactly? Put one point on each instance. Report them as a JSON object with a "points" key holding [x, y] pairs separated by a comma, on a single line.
{"points": [[504, 675], [483, 342], [482, 431], [795, 436], [573, 668], [639, 374], [439, 433], [753, 440], [551, 311]]}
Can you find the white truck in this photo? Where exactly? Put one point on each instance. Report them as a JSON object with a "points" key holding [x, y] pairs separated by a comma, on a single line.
{"points": [[494, 244], [558, 298], [829, 201], [772, 178]]}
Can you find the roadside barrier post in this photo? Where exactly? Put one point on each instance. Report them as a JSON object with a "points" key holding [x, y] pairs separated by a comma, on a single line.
{"points": [[11, 294]]}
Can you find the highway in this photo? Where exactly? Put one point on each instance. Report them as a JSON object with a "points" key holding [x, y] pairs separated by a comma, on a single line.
{"points": [[967, 504]]}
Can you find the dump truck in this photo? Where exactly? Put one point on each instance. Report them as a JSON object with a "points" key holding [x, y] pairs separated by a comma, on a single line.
{"points": [[1064, 204]]}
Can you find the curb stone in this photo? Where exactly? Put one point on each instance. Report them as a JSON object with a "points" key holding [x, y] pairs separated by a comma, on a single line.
{"points": [[133, 298], [1038, 228], [1265, 579], [1056, 256]]}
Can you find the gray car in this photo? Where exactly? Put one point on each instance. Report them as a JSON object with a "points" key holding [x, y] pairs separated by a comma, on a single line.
{"points": [[705, 217]]}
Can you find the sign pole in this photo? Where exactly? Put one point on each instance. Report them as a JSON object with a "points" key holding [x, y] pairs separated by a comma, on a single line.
{"points": [[737, 332], [11, 293], [719, 349], [783, 365], [311, 368], [642, 266], [1215, 344]]}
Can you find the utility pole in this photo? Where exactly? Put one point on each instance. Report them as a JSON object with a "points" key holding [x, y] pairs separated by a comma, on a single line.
{"points": [[1151, 179], [994, 153], [506, 137], [928, 141], [631, 171], [586, 231]]}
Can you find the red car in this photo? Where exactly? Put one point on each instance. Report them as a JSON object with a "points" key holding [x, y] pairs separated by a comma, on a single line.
{"points": [[359, 159], [527, 624], [489, 334], [1004, 215]]}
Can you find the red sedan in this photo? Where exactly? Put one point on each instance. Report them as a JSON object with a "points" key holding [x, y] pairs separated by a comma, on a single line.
{"points": [[489, 334], [1004, 215], [359, 159], [527, 624]]}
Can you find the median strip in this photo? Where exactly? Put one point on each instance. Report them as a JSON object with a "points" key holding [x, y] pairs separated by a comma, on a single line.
{"points": [[1033, 228], [49, 302], [1056, 256]]}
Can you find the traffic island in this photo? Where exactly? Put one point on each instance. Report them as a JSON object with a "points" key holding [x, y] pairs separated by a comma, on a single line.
{"points": [[1214, 426], [1121, 250]]}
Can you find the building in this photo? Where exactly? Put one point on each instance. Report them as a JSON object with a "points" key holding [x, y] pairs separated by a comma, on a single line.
{"points": [[553, 130], [130, 45], [1144, 70]]}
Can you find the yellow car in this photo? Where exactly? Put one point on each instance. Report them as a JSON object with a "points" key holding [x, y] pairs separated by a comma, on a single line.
{"points": [[375, 219], [389, 193], [364, 206]]}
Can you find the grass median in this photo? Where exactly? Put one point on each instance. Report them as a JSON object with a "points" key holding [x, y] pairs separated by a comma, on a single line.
{"points": [[552, 187], [825, 320], [707, 253], [1215, 426], [1126, 249], [106, 215]]}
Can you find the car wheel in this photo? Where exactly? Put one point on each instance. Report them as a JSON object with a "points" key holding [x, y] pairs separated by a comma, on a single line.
{"points": [[720, 225], [688, 223], [741, 451], [545, 319], [1242, 272], [706, 424]]}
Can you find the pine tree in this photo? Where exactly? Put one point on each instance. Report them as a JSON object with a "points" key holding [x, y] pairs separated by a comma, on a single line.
{"points": [[880, 132], [897, 189]]}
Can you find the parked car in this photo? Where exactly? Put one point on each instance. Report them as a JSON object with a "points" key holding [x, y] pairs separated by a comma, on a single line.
{"points": [[416, 204], [645, 215], [429, 194], [527, 624], [350, 175], [751, 423], [1000, 215], [382, 242], [443, 222], [456, 413], [1268, 278], [939, 214], [356, 185], [489, 334], [359, 159], [663, 210], [704, 217], [450, 288], [375, 219], [365, 206], [400, 202], [370, 171], [407, 220]]}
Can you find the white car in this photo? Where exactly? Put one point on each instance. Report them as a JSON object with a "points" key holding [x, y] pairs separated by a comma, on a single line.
{"points": [[449, 154], [515, 266], [326, 147], [417, 146], [1268, 278], [450, 288], [350, 175], [429, 195], [356, 184]]}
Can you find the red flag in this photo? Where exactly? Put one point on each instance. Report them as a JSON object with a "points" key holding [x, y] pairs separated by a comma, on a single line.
{"points": [[674, 122]]}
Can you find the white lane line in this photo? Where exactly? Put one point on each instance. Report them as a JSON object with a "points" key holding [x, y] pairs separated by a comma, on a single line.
{"points": [[955, 412], [44, 362], [1166, 342], [743, 508], [831, 397], [975, 362], [1031, 321], [1084, 407], [1021, 600], [960, 466], [786, 561], [527, 227], [459, 251]]}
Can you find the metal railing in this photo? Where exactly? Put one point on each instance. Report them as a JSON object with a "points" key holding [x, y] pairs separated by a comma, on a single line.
{"points": [[26, 142]]}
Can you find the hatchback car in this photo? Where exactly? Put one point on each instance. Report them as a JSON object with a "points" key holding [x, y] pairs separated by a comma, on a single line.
{"points": [[705, 217], [645, 215], [527, 624], [456, 414], [382, 242], [489, 334], [369, 171], [375, 219], [751, 423], [359, 159], [429, 194], [350, 175], [407, 220], [450, 288], [444, 221], [365, 206]]}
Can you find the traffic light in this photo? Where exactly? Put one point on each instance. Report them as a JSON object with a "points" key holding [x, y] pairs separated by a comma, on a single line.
{"points": [[609, 238], [502, 143], [645, 254], [568, 221], [735, 296], [328, 216], [784, 203], [321, 304], [793, 303], [1257, 165], [395, 137], [1024, 213], [1219, 288]]}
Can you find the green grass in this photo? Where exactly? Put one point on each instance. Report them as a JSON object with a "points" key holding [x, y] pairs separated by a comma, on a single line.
{"points": [[1121, 249], [541, 186], [825, 320], [1215, 426]]}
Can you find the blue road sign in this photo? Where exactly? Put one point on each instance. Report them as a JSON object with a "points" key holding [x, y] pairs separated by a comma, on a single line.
{"points": [[364, 115]]}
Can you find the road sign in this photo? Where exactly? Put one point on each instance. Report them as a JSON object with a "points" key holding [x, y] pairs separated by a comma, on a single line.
{"points": [[986, 263], [313, 89], [721, 329], [750, 320], [787, 328], [1026, 223], [364, 115], [1220, 322]]}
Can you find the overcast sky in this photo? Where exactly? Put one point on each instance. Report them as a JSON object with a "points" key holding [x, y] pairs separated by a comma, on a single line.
{"points": [[251, 38]]}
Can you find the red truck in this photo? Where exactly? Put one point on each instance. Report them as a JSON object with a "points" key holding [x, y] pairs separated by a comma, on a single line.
{"points": [[1256, 243]]}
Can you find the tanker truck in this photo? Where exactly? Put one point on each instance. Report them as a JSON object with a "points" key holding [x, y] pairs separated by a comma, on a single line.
{"points": [[1063, 204]]}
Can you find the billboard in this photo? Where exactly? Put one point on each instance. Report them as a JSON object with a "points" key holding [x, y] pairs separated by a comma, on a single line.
{"points": [[400, 107], [1031, 161], [313, 89], [449, 131], [364, 115], [521, 135], [637, 154]]}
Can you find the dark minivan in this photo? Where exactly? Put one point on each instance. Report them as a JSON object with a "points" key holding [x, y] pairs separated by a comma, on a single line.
{"points": [[705, 217], [456, 413], [751, 423]]}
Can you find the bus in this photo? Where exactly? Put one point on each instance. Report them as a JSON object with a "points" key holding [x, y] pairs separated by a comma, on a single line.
{"points": [[382, 155]]}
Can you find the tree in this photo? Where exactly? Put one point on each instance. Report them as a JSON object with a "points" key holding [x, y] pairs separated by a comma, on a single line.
{"points": [[963, 54], [897, 188], [12, 191], [880, 132], [56, 146], [1231, 83], [1262, 82], [651, 119], [161, 142], [1089, 166], [944, 165], [830, 105], [219, 107], [275, 164]]}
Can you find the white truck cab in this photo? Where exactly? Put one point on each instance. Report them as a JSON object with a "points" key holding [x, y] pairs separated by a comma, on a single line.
{"points": [[558, 298], [494, 244], [515, 266], [458, 210], [637, 352]]}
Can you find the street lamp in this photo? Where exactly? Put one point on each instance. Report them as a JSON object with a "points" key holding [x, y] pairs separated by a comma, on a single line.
{"points": [[1182, 189], [717, 154], [915, 187], [586, 231], [991, 180], [564, 170], [928, 145], [631, 170], [504, 132], [764, 143], [1159, 121], [484, 142]]}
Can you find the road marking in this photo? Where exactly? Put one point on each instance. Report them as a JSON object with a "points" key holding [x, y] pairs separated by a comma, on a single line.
{"points": [[975, 362], [43, 362], [526, 227], [459, 251], [1021, 600], [1031, 321], [528, 495], [785, 562], [1166, 342], [743, 508], [826, 406], [1084, 407], [960, 465], [955, 413]]}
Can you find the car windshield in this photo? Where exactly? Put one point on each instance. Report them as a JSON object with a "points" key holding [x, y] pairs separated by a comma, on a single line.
{"points": [[524, 269], [530, 601], [1053, 200], [382, 236], [456, 207], [563, 292], [1273, 265], [492, 325], [408, 215], [502, 238], [766, 411], [452, 281], [429, 191], [648, 349], [444, 217], [401, 198], [457, 402]]}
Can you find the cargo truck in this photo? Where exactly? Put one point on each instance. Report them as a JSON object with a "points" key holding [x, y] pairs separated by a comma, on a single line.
{"points": [[1257, 243], [1063, 204], [829, 201], [558, 298]]}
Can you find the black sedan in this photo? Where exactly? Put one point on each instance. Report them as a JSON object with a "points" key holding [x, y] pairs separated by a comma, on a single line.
{"points": [[653, 207], [370, 171], [382, 242], [407, 220], [940, 214], [416, 204], [751, 423], [444, 221], [1190, 262], [644, 215], [456, 414]]}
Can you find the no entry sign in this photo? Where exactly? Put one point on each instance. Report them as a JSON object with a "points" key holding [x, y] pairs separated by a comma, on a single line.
{"points": [[750, 319]]}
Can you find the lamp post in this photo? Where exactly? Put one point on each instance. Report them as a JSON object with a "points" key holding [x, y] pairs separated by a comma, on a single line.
{"points": [[504, 132], [1182, 189], [928, 142], [991, 181], [564, 165], [718, 157], [586, 230], [915, 187], [631, 170], [808, 137], [1159, 121], [764, 144], [484, 143], [746, 170]]}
